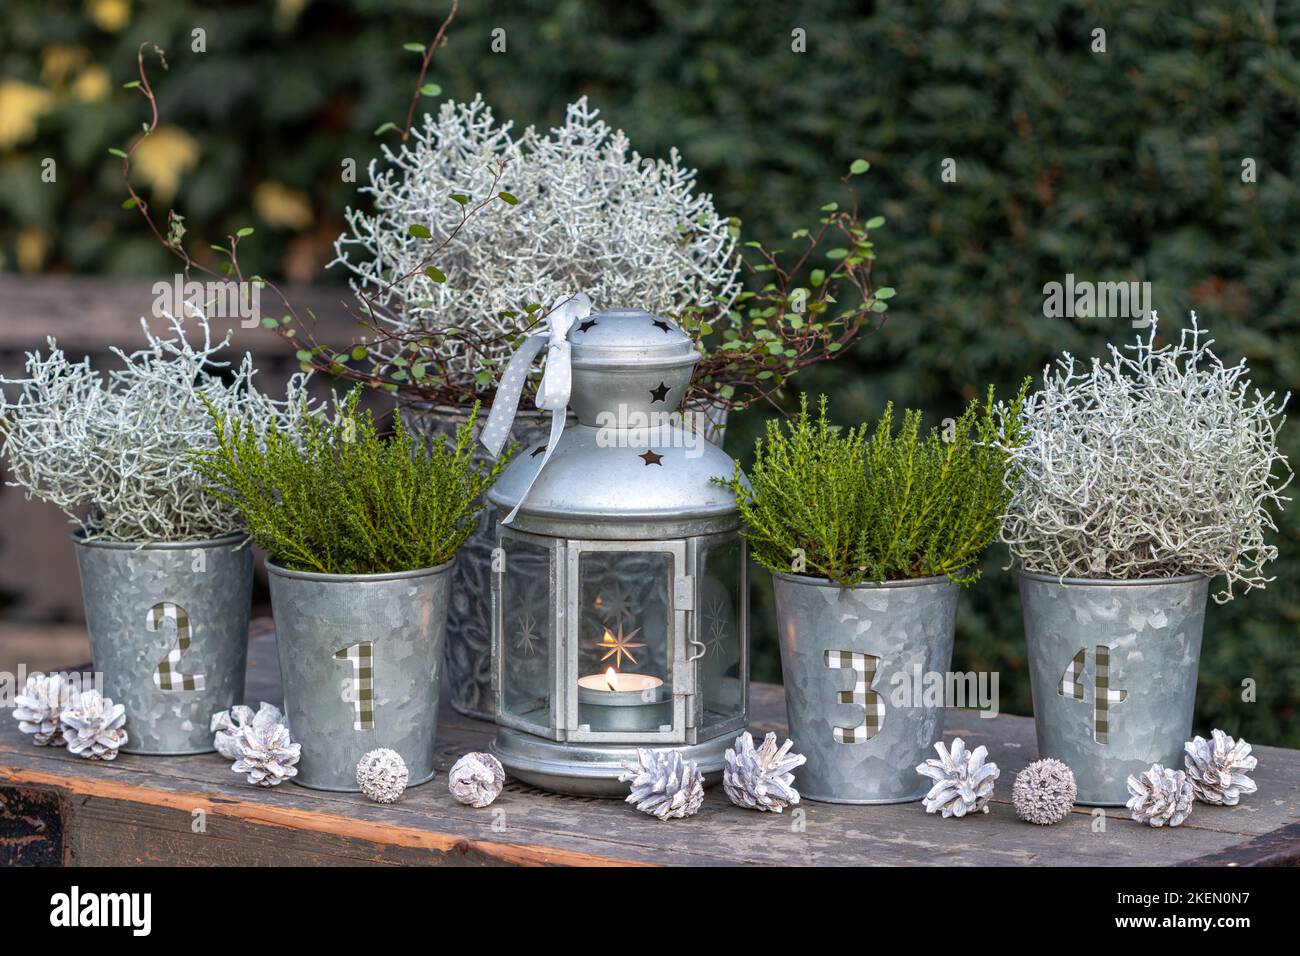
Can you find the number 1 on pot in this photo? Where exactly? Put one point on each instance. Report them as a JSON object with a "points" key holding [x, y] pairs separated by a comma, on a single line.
{"points": [[360, 688]]}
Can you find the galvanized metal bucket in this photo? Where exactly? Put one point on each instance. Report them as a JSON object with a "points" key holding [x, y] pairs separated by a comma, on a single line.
{"points": [[842, 650], [1113, 668], [168, 628], [360, 660]]}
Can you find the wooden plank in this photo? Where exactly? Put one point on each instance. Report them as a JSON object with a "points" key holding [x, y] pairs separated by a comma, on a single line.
{"points": [[141, 809], [89, 315], [31, 827]]}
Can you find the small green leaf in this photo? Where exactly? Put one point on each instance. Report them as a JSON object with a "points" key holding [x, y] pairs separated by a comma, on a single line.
{"points": [[385, 128], [460, 198], [431, 89], [875, 222], [120, 154], [270, 324], [245, 232], [885, 292], [413, 48], [830, 207], [304, 356], [837, 254], [359, 353], [419, 231], [132, 84], [130, 203], [859, 166], [436, 274], [507, 197], [817, 277]]}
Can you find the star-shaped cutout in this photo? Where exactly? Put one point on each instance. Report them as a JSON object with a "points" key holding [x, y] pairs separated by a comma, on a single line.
{"points": [[619, 646], [650, 458], [584, 326], [537, 451], [661, 324], [659, 394]]}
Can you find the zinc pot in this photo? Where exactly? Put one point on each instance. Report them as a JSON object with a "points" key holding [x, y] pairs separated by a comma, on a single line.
{"points": [[1113, 668], [843, 653], [360, 659], [168, 627]]}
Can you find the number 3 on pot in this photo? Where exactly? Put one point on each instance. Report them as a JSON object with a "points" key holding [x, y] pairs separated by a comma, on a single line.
{"points": [[863, 667], [360, 687], [1071, 685]]}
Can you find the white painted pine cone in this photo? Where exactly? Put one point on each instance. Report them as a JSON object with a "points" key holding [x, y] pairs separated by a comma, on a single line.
{"points": [[93, 726], [1160, 796], [963, 780], [664, 785], [38, 708], [762, 778], [1218, 768], [476, 779]]}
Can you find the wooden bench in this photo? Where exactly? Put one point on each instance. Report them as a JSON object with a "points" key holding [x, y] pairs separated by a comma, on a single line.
{"points": [[57, 808]]}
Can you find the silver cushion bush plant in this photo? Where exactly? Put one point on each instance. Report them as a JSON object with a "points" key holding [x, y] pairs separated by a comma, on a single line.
{"points": [[1162, 461], [331, 495], [585, 212], [854, 505], [111, 450]]}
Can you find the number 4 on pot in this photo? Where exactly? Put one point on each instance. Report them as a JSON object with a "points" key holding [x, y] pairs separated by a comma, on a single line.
{"points": [[1071, 685]]}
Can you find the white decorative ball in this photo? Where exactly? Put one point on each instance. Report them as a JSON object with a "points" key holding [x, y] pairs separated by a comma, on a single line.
{"points": [[382, 775]]}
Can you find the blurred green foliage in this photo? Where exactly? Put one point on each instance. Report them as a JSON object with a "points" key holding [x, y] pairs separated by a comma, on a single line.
{"points": [[1114, 166]]}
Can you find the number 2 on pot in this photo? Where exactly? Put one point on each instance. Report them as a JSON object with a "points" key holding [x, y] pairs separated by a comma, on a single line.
{"points": [[172, 618], [1071, 685]]}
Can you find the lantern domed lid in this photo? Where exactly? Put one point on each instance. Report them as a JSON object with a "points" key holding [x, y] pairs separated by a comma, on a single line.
{"points": [[621, 337], [621, 483]]}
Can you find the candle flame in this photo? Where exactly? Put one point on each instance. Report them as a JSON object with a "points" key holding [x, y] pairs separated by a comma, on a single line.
{"points": [[611, 678], [608, 638]]}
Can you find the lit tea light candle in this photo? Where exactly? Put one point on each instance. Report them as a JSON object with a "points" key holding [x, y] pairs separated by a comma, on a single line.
{"points": [[614, 682], [623, 702]]}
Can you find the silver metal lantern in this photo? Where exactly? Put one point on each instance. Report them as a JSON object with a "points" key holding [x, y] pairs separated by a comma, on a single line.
{"points": [[619, 589]]}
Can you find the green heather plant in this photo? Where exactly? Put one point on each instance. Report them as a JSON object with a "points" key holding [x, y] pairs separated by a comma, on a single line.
{"points": [[336, 497], [891, 505]]}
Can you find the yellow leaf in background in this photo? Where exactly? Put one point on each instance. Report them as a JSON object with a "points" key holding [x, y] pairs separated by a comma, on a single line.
{"points": [[92, 86], [286, 11], [60, 60], [279, 205], [32, 245], [163, 157], [110, 15], [20, 106]]}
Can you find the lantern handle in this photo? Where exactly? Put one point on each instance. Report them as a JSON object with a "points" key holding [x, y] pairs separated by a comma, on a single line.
{"points": [[553, 392]]}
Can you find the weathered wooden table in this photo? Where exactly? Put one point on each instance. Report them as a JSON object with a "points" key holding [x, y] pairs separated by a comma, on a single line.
{"points": [[58, 808]]}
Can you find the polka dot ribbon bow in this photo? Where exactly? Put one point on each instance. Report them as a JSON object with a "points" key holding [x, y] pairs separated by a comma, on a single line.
{"points": [[554, 390]]}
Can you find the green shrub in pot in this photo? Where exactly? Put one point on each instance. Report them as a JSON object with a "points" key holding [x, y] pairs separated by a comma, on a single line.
{"points": [[361, 530], [869, 534]]}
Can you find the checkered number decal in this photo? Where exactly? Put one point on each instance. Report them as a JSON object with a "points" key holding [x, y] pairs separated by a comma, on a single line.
{"points": [[864, 675], [361, 688], [172, 619], [1071, 684], [1103, 698]]}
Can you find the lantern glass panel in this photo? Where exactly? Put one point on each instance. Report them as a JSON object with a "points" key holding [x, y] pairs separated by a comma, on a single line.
{"points": [[719, 614], [527, 633], [624, 641]]}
